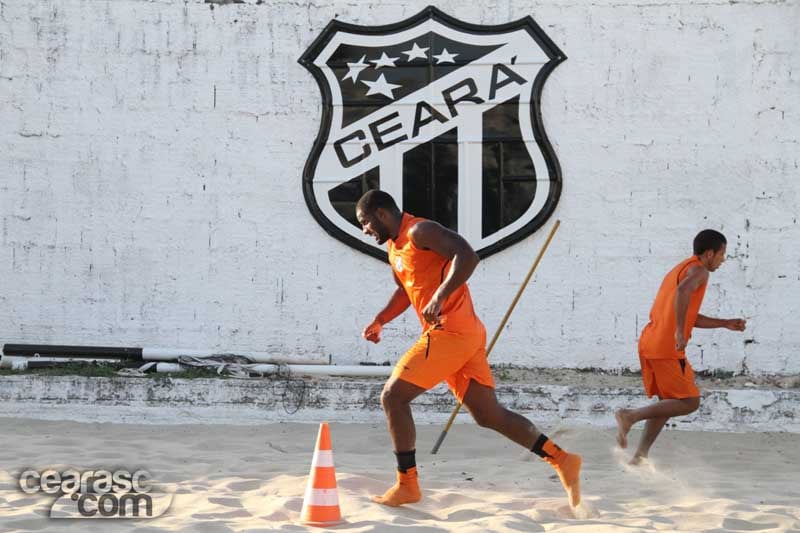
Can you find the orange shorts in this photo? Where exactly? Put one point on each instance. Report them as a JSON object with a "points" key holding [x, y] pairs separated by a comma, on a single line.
{"points": [[668, 378], [441, 355]]}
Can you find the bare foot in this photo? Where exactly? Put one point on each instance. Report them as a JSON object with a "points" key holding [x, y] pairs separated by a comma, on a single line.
{"points": [[623, 427], [569, 471], [637, 459]]}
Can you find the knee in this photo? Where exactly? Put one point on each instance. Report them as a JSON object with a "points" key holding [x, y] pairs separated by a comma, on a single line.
{"points": [[390, 399], [692, 404]]}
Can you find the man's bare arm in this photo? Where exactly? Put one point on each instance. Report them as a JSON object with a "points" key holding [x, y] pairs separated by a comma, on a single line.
{"points": [[453, 247], [695, 277], [735, 324], [397, 304]]}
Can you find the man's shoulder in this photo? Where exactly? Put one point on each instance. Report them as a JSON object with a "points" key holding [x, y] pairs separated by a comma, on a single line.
{"points": [[696, 269], [420, 224], [690, 264], [420, 229]]}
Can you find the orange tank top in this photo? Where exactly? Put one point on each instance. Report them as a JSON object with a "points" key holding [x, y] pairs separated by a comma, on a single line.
{"points": [[657, 340], [421, 272]]}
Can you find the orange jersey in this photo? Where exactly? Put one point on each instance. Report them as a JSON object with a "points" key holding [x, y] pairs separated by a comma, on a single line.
{"points": [[421, 272], [657, 340]]}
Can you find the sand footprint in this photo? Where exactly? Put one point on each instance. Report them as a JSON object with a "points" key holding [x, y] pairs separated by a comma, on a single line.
{"points": [[737, 524], [241, 486], [226, 502], [585, 510]]}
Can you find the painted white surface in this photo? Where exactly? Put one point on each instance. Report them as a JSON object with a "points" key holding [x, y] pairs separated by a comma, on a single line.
{"points": [[257, 401], [151, 156]]}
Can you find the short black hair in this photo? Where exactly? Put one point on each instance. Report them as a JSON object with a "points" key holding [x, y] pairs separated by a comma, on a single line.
{"points": [[374, 199], [708, 239]]}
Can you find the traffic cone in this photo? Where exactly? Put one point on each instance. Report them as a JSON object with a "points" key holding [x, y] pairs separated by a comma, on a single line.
{"points": [[321, 501]]}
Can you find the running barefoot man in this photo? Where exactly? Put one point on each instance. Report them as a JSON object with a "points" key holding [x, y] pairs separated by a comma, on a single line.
{"points": [[431, 265], [665, 371]]}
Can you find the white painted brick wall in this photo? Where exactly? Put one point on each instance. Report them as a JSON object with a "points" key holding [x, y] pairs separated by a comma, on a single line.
{"points": [[151, 156]]}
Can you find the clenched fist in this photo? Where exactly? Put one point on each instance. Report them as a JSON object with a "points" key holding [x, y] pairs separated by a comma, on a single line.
{"points": [[736, 324], [373, 332]]}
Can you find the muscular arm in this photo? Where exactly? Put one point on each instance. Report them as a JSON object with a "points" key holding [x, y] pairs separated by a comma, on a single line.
{"points": [[735, 324], [453, 247], [695, 277], [398, 303], [709, 322]]}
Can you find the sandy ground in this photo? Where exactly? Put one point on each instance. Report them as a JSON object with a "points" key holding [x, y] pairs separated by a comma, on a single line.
{"points": [[234, 478]]}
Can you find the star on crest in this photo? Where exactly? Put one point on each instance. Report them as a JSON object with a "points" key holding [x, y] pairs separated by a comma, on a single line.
{"points": [[381, 86], [416, 52], [355, 69], [384, 61], [445, 57]]}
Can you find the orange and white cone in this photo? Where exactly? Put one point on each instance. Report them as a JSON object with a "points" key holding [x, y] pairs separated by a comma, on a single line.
{"points": [[321, 501]]}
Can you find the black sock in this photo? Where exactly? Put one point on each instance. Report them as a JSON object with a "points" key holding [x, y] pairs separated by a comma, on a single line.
{"points": [[406, 460], [537, 446]]}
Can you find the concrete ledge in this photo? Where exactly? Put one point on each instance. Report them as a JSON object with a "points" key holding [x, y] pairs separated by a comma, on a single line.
{"points": [[257, 401]]}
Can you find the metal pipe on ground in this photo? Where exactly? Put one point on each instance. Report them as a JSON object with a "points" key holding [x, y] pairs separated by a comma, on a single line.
{"points": [[12, 362], [70, 352], [172, 354], [300, 370], [148, 354]]}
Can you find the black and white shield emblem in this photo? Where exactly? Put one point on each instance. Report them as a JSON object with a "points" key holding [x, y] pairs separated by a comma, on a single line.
{"points": [[441, 114]]}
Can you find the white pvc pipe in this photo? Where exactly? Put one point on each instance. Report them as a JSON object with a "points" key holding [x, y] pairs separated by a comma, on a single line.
{"points": [[62, 360], [14, 363], [302, 370], [21, 363], [172, 354]]}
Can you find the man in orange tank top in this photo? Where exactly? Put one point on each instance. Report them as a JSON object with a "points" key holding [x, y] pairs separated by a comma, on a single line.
{"points": [[431, 265], [665, 371]]}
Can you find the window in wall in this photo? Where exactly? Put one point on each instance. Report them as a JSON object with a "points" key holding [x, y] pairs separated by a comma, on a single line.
{"points": [[509, 178]]}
